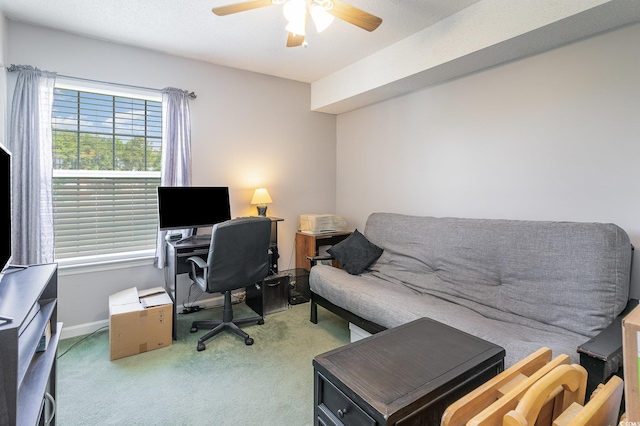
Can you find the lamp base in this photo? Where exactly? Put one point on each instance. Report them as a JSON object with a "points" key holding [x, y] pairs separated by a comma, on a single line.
{"points": [[262, 210]]}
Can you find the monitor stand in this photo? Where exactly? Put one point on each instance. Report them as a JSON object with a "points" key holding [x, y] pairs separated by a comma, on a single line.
{"points": [[195, 237]]}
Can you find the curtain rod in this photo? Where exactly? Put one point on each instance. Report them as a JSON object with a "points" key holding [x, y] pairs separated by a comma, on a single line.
{"points": [[191, 95]]}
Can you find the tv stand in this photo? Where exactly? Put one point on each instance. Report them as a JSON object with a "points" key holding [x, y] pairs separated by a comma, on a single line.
{"points": [[27, 377], [12, 268]]}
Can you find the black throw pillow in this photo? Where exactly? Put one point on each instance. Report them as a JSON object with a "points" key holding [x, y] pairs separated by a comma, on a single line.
{"points": [[355, 253]]}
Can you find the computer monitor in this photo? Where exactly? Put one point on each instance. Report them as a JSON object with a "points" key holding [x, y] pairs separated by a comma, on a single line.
{"points": [[185, 207]]}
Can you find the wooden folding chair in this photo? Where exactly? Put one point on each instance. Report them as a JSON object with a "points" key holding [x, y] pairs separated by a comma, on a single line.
{"points": [[567, 382], [601, 410], [488, 404]]}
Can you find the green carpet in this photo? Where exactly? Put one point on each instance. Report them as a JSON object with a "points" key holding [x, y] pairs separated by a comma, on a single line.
{"points": [[268, 383]]}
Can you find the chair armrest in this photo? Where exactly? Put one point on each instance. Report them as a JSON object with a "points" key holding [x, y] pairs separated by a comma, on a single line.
{"points": [[200, 263], [602, 355], [199, 271], [315, 259]]}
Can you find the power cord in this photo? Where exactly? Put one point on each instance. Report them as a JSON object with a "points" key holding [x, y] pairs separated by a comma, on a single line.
{"points": [[82, 340], [293, 250], [189, 307]]}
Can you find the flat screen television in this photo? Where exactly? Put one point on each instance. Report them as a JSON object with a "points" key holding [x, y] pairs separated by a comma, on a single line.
{"points": [[5, 208], [186, 207]]}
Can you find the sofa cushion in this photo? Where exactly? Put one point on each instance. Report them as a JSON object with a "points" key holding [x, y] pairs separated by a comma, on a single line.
{"points": [[355, 253], [570, 275], [391, 303]]}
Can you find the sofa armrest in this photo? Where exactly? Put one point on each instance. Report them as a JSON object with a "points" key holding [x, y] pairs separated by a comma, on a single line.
{"points": [[602, 355], [315, 259]]}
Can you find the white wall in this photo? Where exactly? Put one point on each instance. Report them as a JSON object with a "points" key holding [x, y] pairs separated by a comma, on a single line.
{"points": [[551, 137], [248, 130]]}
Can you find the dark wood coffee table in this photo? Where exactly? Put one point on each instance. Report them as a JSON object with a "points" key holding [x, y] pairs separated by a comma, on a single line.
{"points": [[406, 375]]}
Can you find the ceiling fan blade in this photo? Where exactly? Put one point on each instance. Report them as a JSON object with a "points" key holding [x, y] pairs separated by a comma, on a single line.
{"points": [[294, 40], [240, 7], [354, 16]]}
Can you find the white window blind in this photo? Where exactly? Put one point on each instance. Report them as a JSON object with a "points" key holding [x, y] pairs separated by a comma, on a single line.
{"points": [[104, 214], [106, 156]]}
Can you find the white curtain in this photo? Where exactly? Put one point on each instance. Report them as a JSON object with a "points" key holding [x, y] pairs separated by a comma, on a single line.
{"points": [[176, 150], [31, 145]]}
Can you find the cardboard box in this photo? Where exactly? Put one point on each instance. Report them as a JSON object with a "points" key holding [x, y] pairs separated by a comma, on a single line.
{"points": [[139, 321], [631, 356]]}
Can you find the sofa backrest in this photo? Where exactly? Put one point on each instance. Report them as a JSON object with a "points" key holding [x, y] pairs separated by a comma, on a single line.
{"points": [[566, 274]]}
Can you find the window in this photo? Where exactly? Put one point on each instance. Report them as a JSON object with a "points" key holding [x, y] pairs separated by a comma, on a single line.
{"points": [[106, 160]]}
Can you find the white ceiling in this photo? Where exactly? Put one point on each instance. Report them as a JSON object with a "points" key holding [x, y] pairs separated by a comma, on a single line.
{"points": [[419, 43], [253, 40]]}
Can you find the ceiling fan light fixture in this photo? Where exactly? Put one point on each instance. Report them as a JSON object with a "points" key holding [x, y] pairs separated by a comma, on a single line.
{"points": [[320, 17], [296, 27], [294, 9], [295, 12]]}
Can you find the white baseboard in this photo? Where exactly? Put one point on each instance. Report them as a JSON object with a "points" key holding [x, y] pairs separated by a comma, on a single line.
{"points": [[82, 329], [90, 327]]}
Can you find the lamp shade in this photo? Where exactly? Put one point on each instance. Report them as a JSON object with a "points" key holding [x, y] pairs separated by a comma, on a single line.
{"points": [[261, 196]]}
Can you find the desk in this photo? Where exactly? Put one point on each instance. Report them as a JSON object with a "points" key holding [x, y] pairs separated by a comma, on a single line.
{"points": [[179, 252]]}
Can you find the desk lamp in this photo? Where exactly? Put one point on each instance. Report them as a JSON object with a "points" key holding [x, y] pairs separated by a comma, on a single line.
{"points": [[261, 198]]}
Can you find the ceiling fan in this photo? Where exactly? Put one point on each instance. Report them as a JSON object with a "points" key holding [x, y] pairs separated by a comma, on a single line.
{"points": [[296, 12]]}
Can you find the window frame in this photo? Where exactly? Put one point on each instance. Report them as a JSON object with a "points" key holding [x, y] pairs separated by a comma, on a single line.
{"points": [[105, 262]]}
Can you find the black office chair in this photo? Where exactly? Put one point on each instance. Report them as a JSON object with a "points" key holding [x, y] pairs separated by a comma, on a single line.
{"points": [[238, 257]]}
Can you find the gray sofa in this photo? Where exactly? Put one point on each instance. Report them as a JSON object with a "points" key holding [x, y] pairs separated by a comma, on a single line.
{"points": [[520, 284]]}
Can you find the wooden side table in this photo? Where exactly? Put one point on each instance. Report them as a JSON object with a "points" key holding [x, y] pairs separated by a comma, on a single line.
{"points": [[308, 245], [407, 375]]}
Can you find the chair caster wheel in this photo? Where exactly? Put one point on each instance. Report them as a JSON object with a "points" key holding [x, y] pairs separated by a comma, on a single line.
{"points": [[260, 321], [201, 347], [194, 329], [248, 341]]}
